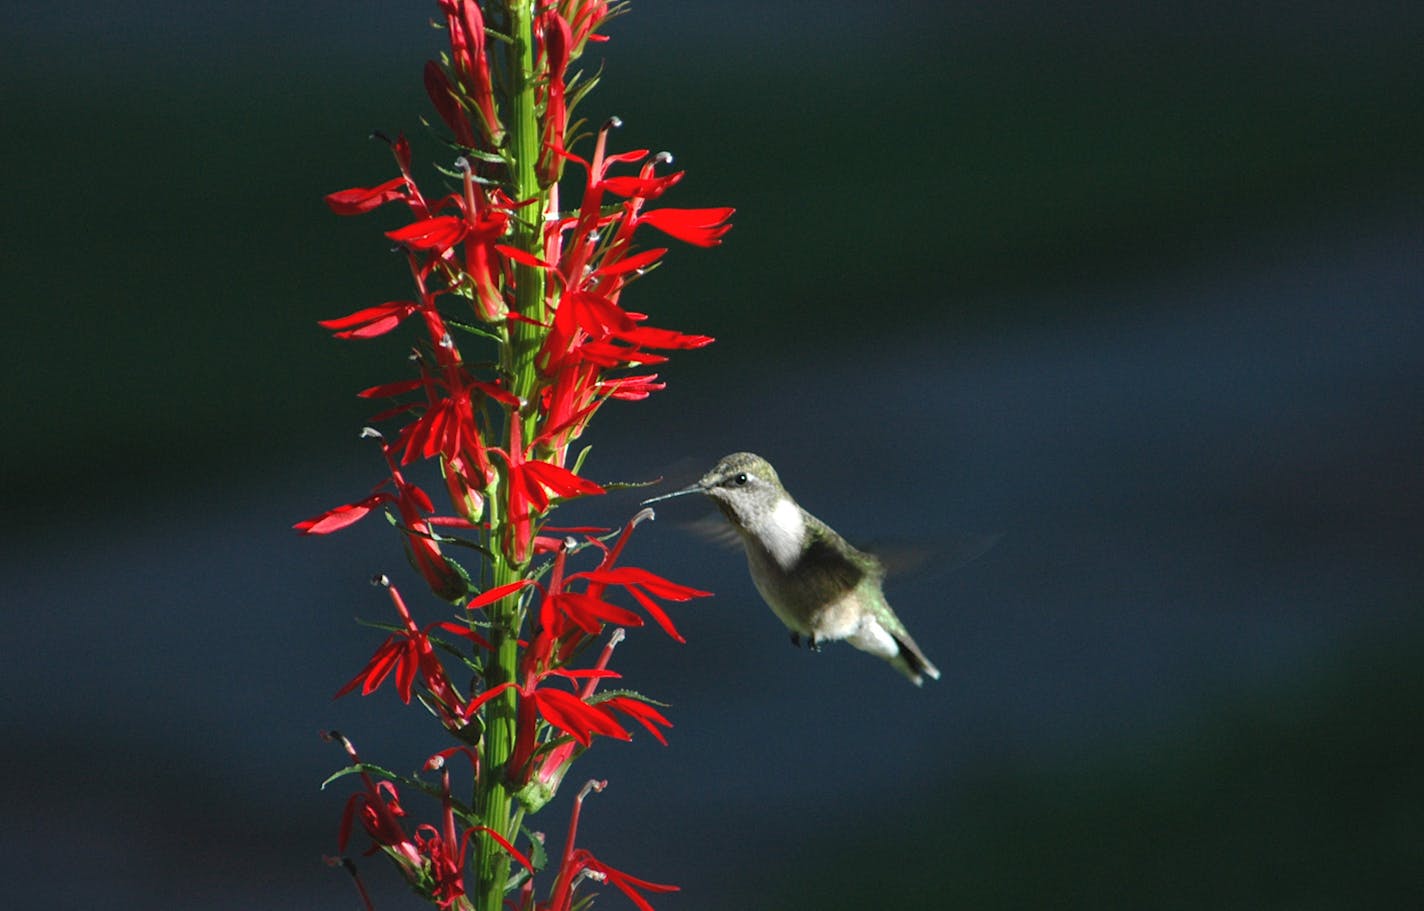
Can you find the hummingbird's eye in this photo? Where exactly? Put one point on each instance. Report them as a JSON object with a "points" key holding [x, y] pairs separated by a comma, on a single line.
{"points": [[740, 479]]}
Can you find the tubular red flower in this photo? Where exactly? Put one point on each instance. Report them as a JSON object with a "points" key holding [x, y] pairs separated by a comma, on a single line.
{"points": [[409, 655], [442, 95], [467, 51], [555, 39]]}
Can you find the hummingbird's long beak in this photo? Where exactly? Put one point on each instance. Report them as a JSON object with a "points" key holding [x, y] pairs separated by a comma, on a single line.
{"points": [[691, 488]]}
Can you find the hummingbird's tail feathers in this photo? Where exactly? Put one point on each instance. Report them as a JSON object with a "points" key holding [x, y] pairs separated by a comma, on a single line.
{"points": [[912, 662]]}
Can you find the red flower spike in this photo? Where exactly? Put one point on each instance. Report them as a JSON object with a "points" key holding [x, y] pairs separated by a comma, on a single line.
{"points": [[460, 245]]}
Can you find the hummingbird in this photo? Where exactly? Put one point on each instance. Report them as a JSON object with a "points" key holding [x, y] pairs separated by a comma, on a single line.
{"points": [[819, 586]]}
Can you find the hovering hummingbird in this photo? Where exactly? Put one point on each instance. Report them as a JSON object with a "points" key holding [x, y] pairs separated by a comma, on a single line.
{"points": [[822, 588]]}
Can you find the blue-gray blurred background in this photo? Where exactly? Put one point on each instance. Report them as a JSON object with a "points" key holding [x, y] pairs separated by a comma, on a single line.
{"points": [[1136, 286]]}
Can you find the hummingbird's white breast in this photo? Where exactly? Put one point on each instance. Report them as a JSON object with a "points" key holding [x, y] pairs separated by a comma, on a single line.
{"points": [[782, 531]]}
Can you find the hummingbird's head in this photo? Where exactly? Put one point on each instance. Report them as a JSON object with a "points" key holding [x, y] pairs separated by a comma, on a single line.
{"points": [[744, 485]]}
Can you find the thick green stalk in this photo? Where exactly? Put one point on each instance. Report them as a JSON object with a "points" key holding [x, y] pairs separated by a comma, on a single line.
{"points": [[495, 802]]}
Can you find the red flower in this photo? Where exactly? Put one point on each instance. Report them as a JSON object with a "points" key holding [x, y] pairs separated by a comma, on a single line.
{"points": [[631, 886], [377, 807], [555, 39], [447, 103], [643, 586], [409, 654], [467, 47], [532, 486], [577, 861]]}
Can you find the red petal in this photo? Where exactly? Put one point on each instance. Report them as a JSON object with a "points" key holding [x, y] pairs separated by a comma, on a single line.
{"points": [[370, 322], [630, 263], [341, 516], [642, 187], [653, 337], [363, 199], [465, 632], [438, 233], [560, 481], [387, 390], [484, 697], [632, 575], [699, 227], [577, 718], [523, 257], [590, 612], [642, 713], [496, 593]]}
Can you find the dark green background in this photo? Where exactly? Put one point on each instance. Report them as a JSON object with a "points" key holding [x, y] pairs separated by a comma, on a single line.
{"points": [[922, 182]]}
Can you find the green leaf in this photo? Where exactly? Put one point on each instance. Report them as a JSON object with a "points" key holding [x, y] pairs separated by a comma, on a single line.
{"points": [[578, 460], [538, 856], [369, 769], [605, 695], [628, 485], [340, 773], [474, 330]]}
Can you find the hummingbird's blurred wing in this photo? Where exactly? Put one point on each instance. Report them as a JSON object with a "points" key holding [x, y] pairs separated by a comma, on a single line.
{"points": [[945, 553], [715, 529]]}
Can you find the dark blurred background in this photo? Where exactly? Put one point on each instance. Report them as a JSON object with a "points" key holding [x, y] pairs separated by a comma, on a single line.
{"points": [[1136, 286]]}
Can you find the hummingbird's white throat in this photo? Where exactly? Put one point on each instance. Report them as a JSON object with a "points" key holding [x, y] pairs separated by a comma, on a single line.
{"points": [[782, 531]]}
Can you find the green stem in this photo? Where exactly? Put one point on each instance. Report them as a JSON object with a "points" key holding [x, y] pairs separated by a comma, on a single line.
{"points": [[494, 798]]}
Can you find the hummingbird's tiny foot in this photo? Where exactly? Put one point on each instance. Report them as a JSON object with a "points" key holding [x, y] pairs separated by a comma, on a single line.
{"points": [[812, 644], [796, 639]]}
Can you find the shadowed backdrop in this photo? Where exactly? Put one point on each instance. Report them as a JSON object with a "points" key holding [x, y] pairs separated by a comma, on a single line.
{"points": [[1137, 288]]}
